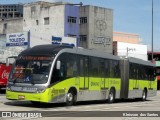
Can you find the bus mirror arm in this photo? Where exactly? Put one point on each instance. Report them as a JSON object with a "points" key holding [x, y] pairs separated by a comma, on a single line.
{"points": [[58, 65]]}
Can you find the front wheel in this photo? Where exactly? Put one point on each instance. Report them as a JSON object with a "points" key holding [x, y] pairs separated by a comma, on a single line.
{"points": [[111, 96], [70, 98]]}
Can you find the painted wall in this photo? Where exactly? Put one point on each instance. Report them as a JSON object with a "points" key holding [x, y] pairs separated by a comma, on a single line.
{"points": [[71, 28], [126, 37]]}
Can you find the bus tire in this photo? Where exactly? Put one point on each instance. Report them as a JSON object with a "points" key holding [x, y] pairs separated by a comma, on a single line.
{"points": [[144, 95], [70, 98], [111, 96]]}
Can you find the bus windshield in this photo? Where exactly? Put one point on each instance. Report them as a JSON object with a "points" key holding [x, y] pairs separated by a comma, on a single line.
{"points": [[31, 69]]}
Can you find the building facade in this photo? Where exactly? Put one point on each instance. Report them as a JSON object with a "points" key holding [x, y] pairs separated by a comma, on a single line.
{"points": [[8, 11], [96, 28], [51, 23], [57, 23], [11, 25], [126, 37], [11, 21], [124, 49]]}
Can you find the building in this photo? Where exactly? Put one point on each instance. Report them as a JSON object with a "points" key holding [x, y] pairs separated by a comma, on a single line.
{"points": [[128, 45], [11, 21], [126, 37], [11, 25], [96, 28], [130, 50], [57, 23], [11, 18], [51, 23], [8, 11]]}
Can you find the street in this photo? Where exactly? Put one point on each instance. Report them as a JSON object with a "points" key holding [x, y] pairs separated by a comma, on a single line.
{"points": [[86, 110]]}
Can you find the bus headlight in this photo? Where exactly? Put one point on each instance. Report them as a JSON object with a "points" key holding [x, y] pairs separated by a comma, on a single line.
{"points": [[41, 90]]}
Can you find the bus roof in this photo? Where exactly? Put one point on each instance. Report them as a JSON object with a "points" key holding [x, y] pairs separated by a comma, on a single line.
{"points": [[51, 50], [140, 61], [48, 50]]}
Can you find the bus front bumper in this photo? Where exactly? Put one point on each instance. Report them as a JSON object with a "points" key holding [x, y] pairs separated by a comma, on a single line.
{"points": [[39, 97]]}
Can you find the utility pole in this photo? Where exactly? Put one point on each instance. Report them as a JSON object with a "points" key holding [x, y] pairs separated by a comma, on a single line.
{"points": [[152, 30]]}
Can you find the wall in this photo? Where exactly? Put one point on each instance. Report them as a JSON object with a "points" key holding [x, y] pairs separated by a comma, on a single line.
{"points": [[126, 37], [71, 28], [13, 25], [8, 51], [42, 34], [99, 27]]}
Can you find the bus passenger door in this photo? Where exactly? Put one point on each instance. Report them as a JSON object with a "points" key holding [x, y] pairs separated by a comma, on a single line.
{"points": [[102, 73], [83, 71], [151, 74], [135, 82]]}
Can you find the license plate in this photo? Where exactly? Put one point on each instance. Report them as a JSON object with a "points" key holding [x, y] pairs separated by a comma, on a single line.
{"points": [[21, 97]]}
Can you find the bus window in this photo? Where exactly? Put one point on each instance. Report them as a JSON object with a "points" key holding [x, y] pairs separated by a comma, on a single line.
{"points": [[68, 68], [114, 69], [107, 72]]}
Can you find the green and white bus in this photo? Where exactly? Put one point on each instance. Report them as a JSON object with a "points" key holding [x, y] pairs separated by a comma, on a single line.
{"points": [[60, 73]]}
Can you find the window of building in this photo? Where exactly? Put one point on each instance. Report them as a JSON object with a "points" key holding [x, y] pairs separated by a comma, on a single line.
{"points": [[71, 35], [71, 19], [37, 22], [33, 10], [83, 20], [46, 21], [4, 15], [83, 37], [5, 26], [83, 41]]}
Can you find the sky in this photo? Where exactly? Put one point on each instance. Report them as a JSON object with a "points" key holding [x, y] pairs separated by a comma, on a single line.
{"points": [[130, 16]]}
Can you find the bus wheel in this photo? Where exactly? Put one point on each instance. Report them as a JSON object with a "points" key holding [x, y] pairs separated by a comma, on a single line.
{"points": [[144, 95], [111, 96], [70, 98]]}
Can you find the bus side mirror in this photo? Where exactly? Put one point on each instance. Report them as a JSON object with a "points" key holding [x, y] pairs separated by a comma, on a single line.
{"points": [[7, 61], [58, 65]]}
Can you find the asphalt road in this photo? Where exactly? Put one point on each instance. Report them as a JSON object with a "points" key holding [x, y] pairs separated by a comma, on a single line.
{"points": [[95, 110]]}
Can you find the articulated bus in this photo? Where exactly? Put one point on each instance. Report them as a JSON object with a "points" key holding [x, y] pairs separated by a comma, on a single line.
{"points": [[59, 73]]}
